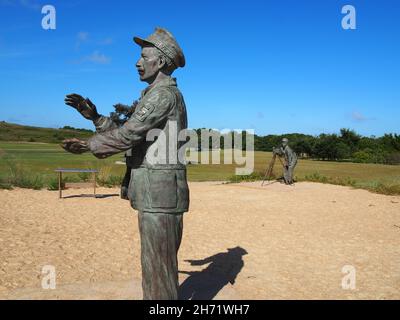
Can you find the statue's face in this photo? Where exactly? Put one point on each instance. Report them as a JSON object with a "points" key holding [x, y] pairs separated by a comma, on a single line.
{"points": [[149, 64], [284, 143]]}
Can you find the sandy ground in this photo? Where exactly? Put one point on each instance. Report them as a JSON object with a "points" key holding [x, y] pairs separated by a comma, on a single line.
{"points": [[284, 242]]}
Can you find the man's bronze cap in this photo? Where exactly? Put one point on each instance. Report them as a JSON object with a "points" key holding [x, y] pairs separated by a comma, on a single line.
{"points": [[163, 40]]}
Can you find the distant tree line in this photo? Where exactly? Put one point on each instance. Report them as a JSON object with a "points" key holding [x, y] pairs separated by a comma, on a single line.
{"points": [[345, 146], [348, 145]]}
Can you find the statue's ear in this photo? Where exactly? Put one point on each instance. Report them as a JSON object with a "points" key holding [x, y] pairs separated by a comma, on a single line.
{"points": [[162, 62]]}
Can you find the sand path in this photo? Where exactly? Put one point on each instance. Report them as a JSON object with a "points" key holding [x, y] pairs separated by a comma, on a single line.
{"points": [[285, 242]]}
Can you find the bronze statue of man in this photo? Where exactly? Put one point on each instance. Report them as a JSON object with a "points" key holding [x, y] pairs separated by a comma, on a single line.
{"points": [[157, 189], [290, 160]]}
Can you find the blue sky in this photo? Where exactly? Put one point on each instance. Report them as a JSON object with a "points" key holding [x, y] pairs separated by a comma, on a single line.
{"points": [[272, 66]]}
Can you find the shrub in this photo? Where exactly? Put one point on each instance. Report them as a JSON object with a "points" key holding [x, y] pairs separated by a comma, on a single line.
{"points": [[111, 181], [19, 177], [84, 176], [317, 177], [343, 181], [389, 189], [71, 178], [106, 179], [52, 184], [254, 176], [369, 155], [104, 173], [57, 137], [5, 183], [383, 187], [393, 158], [34, 182], [362, 157]]}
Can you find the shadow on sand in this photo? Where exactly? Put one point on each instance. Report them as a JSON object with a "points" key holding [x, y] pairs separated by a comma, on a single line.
{"points": [[98, 196], [223, 268]]}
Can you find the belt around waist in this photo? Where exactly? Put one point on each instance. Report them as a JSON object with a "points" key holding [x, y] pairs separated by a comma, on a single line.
{"points": [[162, 167], [135, 163]]}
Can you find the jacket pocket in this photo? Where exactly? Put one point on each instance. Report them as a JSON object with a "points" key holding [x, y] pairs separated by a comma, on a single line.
{"points": [[163, 188]]}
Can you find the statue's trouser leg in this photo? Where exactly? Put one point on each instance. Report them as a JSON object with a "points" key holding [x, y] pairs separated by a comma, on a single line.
{"points": [[286, 175], [160, 236], [290, 173]]}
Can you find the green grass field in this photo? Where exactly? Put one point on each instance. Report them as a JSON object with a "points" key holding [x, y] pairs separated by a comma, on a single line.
{"points": [[43, 158]]}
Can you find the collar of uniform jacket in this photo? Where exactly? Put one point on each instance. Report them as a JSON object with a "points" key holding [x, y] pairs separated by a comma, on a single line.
{"points": [[167, 82]]}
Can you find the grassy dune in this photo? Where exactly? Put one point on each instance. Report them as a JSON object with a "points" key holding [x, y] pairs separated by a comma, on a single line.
{"points": [[43, 158], [15, 132]]}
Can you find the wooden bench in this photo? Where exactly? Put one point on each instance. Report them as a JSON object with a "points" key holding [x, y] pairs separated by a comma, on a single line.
{"points": [[61, 171]]}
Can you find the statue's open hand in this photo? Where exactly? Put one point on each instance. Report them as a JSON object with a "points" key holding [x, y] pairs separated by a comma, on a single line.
{"points": [[84, 106], [75, 146]]}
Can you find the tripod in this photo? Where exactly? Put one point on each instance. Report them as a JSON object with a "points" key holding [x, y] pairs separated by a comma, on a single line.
{"points": [[270, 168]]}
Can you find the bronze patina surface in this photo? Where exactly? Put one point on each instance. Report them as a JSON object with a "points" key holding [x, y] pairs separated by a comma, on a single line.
{"points": [[159, 191]]}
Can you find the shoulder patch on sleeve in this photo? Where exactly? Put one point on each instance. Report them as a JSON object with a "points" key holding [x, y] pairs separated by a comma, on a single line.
{"points": [[143, 112]]}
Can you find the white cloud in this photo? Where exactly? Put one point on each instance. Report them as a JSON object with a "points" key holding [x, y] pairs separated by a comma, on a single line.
{"points": [[29, 4], [84, 37], [356, 116], [97, 57], [81, 37]]}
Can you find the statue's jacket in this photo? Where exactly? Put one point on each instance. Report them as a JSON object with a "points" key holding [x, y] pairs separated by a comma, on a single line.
{"points": [[290, 156], [150, 137]]}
